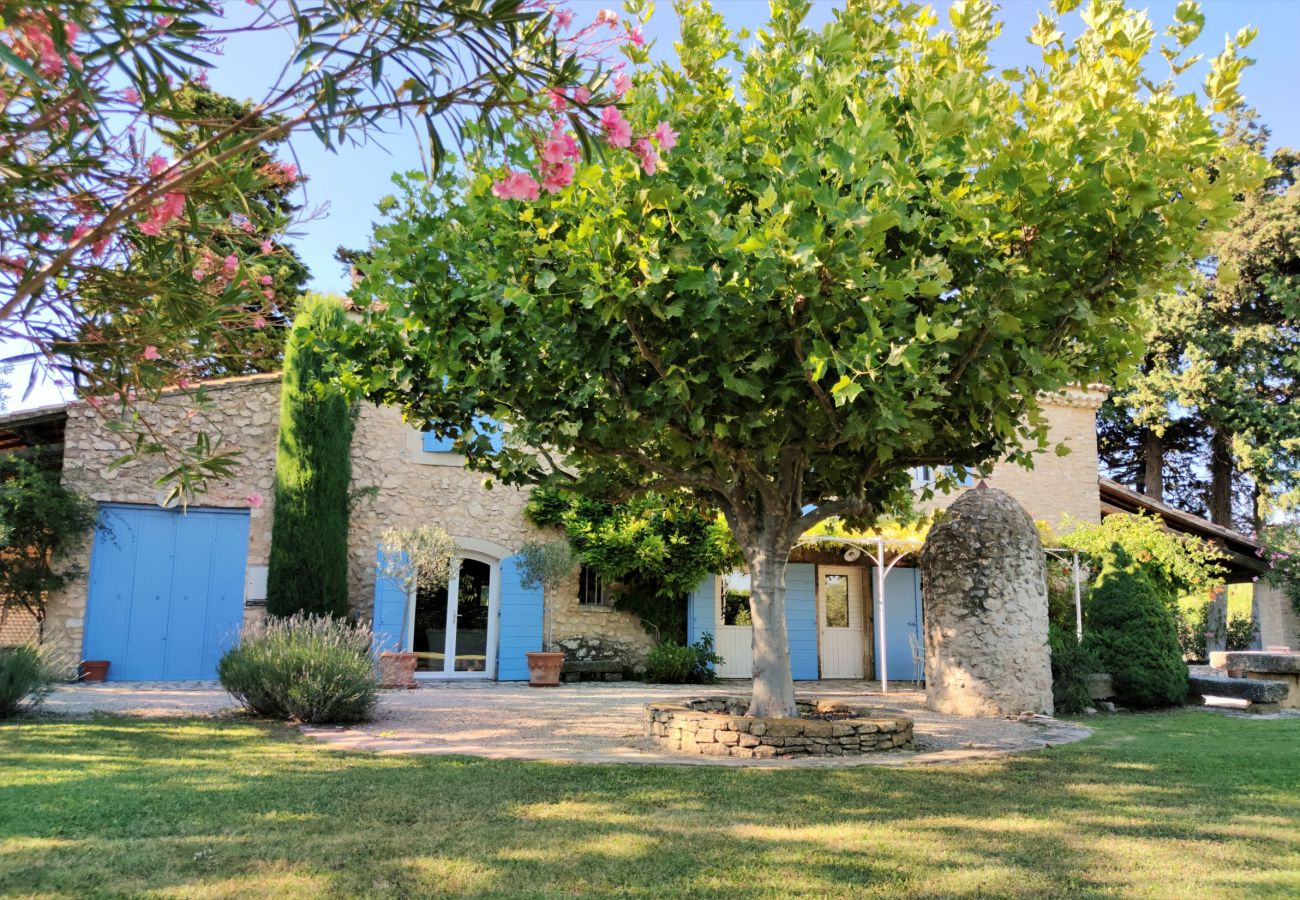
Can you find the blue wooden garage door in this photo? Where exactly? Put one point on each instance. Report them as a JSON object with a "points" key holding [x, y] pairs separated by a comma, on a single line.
{"points": [[166, 591]]}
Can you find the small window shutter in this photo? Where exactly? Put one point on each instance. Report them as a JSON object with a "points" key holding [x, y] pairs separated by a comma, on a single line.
{"points": [[389, 623], [435, 444], [482, 425]]}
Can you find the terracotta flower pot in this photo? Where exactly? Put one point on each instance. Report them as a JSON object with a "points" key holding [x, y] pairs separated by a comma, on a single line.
{"points": [[544, 669], [397, 669], [94, 670], [1236, 673]]}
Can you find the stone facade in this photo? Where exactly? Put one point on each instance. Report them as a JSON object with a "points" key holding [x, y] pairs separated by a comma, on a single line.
{"points": [[718, 726], [985, 580], [395, 481], [1058, 488]]}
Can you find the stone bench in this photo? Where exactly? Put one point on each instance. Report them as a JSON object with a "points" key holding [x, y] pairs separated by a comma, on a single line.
{"points": [[592, 670], [1262, 696], [1265, 665]]}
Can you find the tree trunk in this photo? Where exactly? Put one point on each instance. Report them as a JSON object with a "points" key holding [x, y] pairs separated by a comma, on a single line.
{"points": [[1153, 465], [773, 682], [1222, 469]]}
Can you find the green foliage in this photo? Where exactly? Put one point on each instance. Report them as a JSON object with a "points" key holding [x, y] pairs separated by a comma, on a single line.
{"points": [[1072, 662], [1175, 564], [1213, 403], [40, 521], [668, 662], [313, 474], [654, 549], [545, 564], [25, 678], [312, 669], [1193, 623], [1130, 628]]}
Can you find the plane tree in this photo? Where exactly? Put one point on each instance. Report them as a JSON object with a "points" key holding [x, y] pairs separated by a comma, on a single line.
{"points": [[830, 258]]}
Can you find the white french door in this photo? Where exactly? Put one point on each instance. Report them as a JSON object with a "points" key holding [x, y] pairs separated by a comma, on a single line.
{"points": [[453, 630], [841, 635]]}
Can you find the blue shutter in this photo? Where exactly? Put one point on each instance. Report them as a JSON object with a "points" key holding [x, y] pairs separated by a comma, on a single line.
{"points": [[801, 619], [389, 623], [435, 444], [482, 425], [521, 623], [701, 611]]}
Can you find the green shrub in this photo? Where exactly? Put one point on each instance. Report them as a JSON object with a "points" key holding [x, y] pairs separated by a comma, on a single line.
{"points": [[25, 678], [1072, 663], [1131, 629], [312, 669], [671, 663]]}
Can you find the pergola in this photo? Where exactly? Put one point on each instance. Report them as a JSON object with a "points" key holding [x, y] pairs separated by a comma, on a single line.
{"points": [[886, 553]]}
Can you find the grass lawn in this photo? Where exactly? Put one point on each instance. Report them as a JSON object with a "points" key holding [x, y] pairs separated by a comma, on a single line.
{"points": [[1188, 804]]}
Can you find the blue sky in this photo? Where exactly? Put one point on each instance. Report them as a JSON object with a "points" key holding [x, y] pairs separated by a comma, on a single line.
{"points": [[351, 180]]}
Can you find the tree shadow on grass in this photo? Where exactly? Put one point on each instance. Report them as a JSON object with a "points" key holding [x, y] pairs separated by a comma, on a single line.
{"points": [[186, 806]]}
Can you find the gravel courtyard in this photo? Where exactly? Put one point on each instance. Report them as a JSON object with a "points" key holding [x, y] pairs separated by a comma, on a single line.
{"points": [[597, 722]]}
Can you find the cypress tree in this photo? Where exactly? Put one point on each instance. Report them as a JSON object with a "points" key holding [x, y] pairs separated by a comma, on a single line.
{"points": [[313, 474]]}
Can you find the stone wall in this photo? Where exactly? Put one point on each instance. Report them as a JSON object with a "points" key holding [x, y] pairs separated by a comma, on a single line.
{"points": [[718, 726], [984, 573], [1279, 625]]}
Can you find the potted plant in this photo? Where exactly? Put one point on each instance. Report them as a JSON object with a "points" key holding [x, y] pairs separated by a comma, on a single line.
{"points": [[416, 558], [545, 565], [93, 671]]}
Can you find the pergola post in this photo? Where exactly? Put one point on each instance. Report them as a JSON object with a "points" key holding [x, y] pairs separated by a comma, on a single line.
{"points": [[881, 663], [1078, 600]]}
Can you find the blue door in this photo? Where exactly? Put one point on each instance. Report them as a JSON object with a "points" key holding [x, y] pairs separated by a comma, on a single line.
{"points": [[902, 618], [166, 591]]}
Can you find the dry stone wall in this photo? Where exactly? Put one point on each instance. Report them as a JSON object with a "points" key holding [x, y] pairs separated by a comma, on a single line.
{"points": [[718, 726], [984, 584]]}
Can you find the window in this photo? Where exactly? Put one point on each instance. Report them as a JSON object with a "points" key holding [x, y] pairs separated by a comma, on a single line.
{"points": [[735, 592], [924, 476], [591, 590], [835, 594]]}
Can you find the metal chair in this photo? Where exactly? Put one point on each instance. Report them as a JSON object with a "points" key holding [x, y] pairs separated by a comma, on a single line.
{"points": [[918, 660]]}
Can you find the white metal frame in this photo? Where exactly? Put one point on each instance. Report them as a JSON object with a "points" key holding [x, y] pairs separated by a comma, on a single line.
{"points": [[879, 550], [453, 600]]}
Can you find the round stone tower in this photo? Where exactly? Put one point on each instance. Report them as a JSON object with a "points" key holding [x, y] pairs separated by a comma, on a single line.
{"points": [[984, 578]]}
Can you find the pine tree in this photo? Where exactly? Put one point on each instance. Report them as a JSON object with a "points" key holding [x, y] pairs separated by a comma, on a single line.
{"points": [[313, 472]]}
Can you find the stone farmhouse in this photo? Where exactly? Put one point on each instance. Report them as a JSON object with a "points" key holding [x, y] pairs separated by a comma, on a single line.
{"points": [[165, 591]]}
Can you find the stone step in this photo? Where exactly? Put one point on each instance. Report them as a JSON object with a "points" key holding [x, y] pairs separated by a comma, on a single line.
{"points": [[1252, 689], [1257, 661]]}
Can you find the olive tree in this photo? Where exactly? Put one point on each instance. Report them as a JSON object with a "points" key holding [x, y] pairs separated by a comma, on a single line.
{"points": [[835, 256]]}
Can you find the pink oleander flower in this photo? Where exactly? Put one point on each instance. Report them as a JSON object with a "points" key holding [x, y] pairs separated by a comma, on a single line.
{"points": [[230, 265], [563, 19], [556, 150], [96, 402], [151, 227], [557, 101], [634, 36], [157, 165], [268, 294], [649, 157], [198, 274], [267, 246], [131, 95], [100, 245], [264, 280], [151, 352], [164, 22], [622, 83], [618, 133], [255, 500], [581, 94], [172, 205], [556, 178], [259, 322], [516, 186], [79, 232], [607, 17], [285, 173], [666, 137]]}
